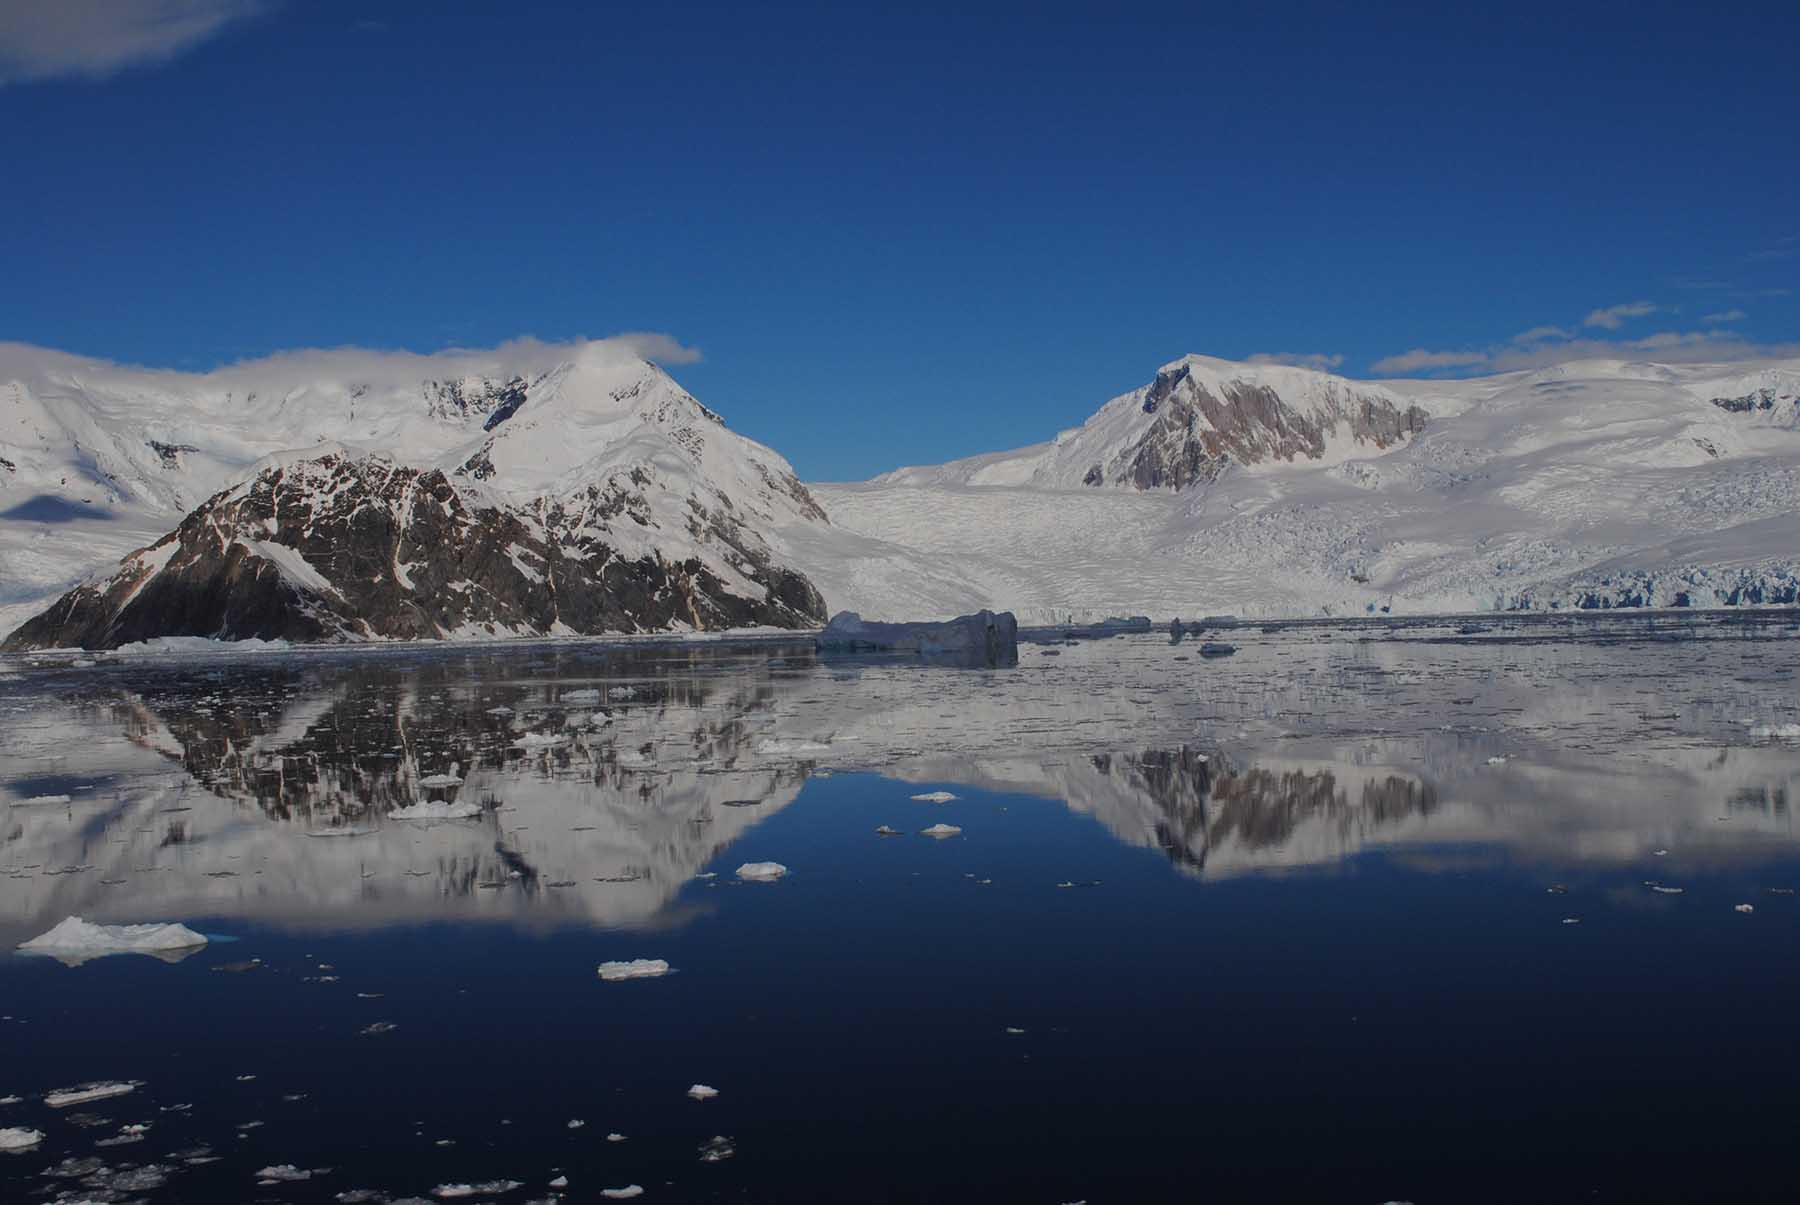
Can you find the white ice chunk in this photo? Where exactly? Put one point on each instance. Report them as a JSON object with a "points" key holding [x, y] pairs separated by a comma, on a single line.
{"points": [[761, 872], [1744, 907], [285, 1173], [586, 694], [702, 1092], [623, 1194], [440, 780], [935, 797], [636, 968], [941, 831], [447, 1191], [18, 1139], [77, 940], [82, 1094]]}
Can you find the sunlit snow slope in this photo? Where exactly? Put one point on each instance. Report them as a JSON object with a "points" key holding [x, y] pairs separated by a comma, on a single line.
{"points": [[1279, 491]]}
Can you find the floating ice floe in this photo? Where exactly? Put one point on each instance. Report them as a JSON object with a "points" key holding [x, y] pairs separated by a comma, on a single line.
{"points": [[1744, 907], [1571, 920], [717, 1149], [940, 831], [440, 780], [635, 968], [1496, 761], [622, 692], [702, 1092], [1784, 730], [761, 872], [75, 940], [449, 1191], [437, 809], [935, 797], [888, 830], [1661, 890], [284, 1173], [984, 636], [19, 1139], [41, 800], [615, 1136], [623, 1194], [585, 694], [82, 1094], [376, 1028]]}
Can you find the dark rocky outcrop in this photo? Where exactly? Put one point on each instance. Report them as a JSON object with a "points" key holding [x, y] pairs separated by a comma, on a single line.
{"points": [[1756, 400], [344, 548], [1198, 430]]}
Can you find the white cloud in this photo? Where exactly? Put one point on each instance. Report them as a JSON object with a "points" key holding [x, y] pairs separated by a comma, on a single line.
{"points": [[1419, 359], [1614, 316], [1319, 360], [654, 345], [1731, 315], [92, 39], [1538, 334]]}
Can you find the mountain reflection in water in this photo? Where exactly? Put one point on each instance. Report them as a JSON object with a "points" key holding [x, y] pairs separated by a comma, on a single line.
{"points": [[607, 778]]}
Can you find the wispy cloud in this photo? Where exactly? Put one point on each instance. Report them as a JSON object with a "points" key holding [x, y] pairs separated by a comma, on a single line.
{"points": [[1614, 316], [1420, 360], [1319, 360], [1782, 248], [92, 39], [1731, 315], [1538, 334]]}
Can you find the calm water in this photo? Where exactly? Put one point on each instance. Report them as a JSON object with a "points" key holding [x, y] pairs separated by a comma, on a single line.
{"points": [[1290, 925]]}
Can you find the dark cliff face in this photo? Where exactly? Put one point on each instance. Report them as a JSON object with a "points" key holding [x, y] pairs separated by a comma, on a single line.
{"points": [[1761, 400], [1196, 432], [339, 548]]}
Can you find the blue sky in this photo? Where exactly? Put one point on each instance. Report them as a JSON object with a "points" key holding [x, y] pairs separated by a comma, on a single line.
{"points": [[903, 233]]}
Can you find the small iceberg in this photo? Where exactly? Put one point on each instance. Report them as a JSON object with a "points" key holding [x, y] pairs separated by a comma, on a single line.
{"points": [[941, 831], [440, 780], [635, 968], [888, 830], [75, 941], [437, 809], [1216, 649], [1745, 908], [702, 1092], [761, 872], [984, 637], [623, 1194], [586, 694], [19, 1139], [82, 1094], [496, 1187], [935, 797], [284, 1173]]}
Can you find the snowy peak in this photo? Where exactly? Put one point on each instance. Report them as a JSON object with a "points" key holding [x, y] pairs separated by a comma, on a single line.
{"points": [[1198, 417], [339, 547]]}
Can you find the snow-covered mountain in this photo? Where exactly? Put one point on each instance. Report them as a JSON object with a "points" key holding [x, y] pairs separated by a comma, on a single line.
{"points": [[565, 489], [1267, 490]]}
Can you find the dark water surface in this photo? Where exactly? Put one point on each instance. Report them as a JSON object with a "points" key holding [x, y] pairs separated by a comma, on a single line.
{"points": [[1288, 925]]}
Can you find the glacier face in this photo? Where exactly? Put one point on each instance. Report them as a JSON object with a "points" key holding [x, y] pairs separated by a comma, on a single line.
{"points": [[1589, 484], [580, 488]]}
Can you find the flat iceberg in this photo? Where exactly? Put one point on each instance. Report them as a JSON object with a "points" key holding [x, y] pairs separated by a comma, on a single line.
{"points": [[440, 780], [636, 968], [82, 1094], [941, 831], [935, 797], [702, 1092], [448, 1191], [75, 940], [437, 809], [989, 638], [623, 1194], [761, 872]]}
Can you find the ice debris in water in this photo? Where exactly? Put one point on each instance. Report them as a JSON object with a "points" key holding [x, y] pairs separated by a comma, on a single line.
{"points": [[615, 1136], [1496, 761], [941, 831], [81, 1094], [560, 1182], [935, 797], [378, 1027], [702, 1092], [1571, 920], [717, 1149], [75, 936], [1764, 730], [539, 740], [635, 968], [440, 780], [46, 800], [18, 1139], [888, 830], [1744, 907], [437, 809], [766, 872], [623, 1194], [1660, 889], [575, 1123], [284, 1173], [447, 1191], [586, 694]]}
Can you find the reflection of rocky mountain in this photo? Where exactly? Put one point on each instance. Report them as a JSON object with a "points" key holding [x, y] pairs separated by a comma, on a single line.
{"points": [[593, 807]]}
